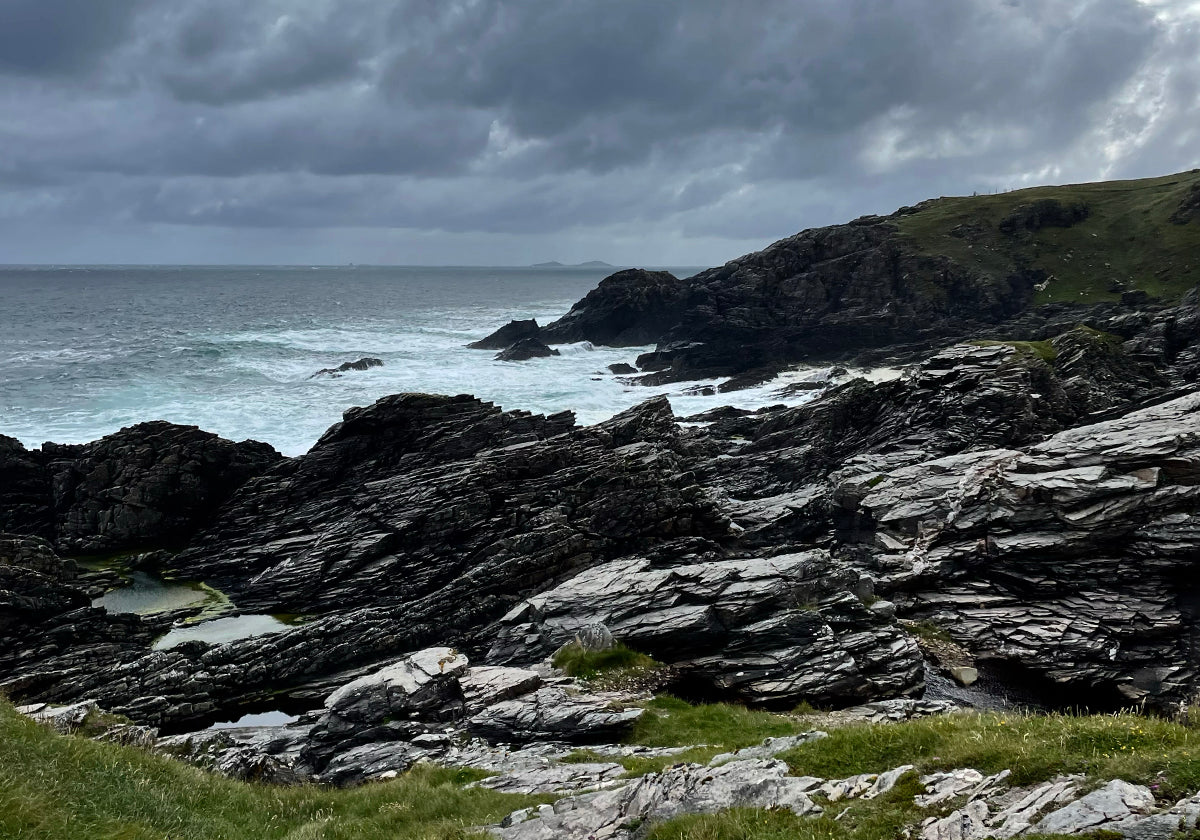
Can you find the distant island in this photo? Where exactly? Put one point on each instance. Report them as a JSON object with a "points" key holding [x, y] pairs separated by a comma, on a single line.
{"points": [[588, 264]]}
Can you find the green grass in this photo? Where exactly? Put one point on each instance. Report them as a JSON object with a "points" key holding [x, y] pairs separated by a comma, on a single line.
{"points": [[710, 729], [1035, 748], [1127, 237], [1044, 350], [583, 664], [669, 722], [55, 787]]}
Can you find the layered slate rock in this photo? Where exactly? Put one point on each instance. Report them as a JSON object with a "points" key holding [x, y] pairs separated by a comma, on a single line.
{"points": [[147, 486], [49, 632], [773, 631], [1070, 559], [26, 495], [771, 468], [683, 789], [452, 508], [395, 703], [419, 520], [554, 714]]}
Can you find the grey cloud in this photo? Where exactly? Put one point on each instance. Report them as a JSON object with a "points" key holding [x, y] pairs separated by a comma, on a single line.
{"points": [[668, 120], [60, 37]]}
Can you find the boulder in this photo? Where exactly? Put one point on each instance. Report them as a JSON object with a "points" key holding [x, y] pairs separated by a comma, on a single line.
{"points": [[508, 335], [365, 363], [525, 349], [555, 714]]}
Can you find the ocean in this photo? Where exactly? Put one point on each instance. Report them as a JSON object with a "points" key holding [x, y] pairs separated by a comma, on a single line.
{"points": [[86, 350]]}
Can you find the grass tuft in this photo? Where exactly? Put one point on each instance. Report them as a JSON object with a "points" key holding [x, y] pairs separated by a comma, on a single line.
{"points": [[584, 664]]}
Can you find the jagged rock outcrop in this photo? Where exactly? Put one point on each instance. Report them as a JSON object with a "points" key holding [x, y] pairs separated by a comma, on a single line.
{"points": [[395, 703], [773, 631], [146, 486], [1068, 559], [823, 293], [526, 349], [49, 632], [554, 714], [26, 495], [628, 308], [451, 508], [508, 335]]}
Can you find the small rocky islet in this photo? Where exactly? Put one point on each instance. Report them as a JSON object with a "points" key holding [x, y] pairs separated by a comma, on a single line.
{"points": [[1012, 521]]}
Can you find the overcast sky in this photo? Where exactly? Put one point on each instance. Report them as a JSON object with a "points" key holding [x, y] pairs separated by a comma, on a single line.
{"points": [[506, 132]]}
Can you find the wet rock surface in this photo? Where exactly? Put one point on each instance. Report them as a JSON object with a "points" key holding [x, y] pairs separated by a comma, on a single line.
{"points": [[365, 363], [525, 349]]}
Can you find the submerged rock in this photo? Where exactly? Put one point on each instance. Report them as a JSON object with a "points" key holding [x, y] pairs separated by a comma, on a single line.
{"points": [[525, 349], [365, 363]]}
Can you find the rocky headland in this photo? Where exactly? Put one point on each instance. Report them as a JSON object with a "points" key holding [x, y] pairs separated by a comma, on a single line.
{"points": [[1013, 519]]}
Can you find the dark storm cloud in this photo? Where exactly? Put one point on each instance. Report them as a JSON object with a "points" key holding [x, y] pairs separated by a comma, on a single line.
{"points": [[57, 37], [666, 119]]}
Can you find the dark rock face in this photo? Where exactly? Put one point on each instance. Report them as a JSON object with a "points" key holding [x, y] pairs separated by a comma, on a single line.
{"points": [[46, 617], [1071, 559], [822, 294], [525, 349], [622, 369], [628, 308], [148, 485], [26, 497], [419, 494], [508, 335], [365, 363], [1189, 207], [1046, 212], [34, 585], [772, 631]]}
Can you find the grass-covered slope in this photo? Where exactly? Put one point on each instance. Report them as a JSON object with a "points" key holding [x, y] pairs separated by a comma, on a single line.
{"points": [[1126, 236], [55, 787]]}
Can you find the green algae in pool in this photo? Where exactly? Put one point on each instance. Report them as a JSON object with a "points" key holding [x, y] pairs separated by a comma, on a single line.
{"points": [[219, 631], [147, 594]]}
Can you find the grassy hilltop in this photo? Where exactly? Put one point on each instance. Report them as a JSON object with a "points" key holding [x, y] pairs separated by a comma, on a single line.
{"points": [[1139, 234]]}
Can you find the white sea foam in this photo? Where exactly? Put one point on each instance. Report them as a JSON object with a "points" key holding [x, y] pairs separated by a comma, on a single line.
{"points": [[82, 355]]}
